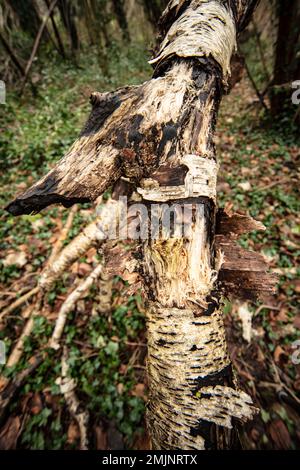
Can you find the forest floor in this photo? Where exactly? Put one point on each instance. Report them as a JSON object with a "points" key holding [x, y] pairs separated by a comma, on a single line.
{"points": [[107, 350]]}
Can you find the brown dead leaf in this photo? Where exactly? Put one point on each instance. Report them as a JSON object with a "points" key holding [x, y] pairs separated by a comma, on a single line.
{"points": [[101, 438], [73, 433], [143, 442], [282, 315], [296, 283], [255, 434], [139, 391], [297, 321], [36, 404], [278, 353], [280, 434], [10, 433], [84, 268], [18, 258]]}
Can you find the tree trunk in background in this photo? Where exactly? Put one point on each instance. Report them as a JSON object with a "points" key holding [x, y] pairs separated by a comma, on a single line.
{"points": [[119, 10], [153, 10], [27, 14], [159, 136], [287, 56], [67, 11], [96, 18], [60, 45]]}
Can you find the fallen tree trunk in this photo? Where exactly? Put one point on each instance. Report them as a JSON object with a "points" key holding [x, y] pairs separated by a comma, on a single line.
{"points": [[159, 137]]}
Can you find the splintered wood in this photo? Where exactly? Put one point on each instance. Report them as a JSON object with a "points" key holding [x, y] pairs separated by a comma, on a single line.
{"points": [[186, 342], [244, 274]]}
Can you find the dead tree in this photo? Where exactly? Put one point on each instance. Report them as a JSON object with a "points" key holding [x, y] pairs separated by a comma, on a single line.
{"points": [[159, 137]]}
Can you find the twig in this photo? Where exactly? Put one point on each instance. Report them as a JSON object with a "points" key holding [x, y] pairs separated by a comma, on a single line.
{"points": [[69, 304], [261, 51], [271, 185], [63, 235], [20, 301], [258, 93], [67, 387], [60, 46], [19, 347], [76, 248], [268, 307]]}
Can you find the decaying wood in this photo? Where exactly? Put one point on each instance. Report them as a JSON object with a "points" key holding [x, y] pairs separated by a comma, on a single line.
{"points": [[159, 136], [233, 225], [121, 137], [243, 274], [187, 344]]}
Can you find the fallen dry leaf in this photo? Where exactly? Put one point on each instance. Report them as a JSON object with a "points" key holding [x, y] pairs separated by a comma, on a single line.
{"points": [[139, 391], [101, 438], [18, 258], [245, 185], [278, 353], [73, 433], [280, 434], [9, 433], [36, 404]]}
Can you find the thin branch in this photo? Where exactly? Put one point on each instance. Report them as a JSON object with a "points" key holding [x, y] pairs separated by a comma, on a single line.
{"points": [[258, 93], [20, 301], [69, 305], [68, 386], [63, 235]]}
